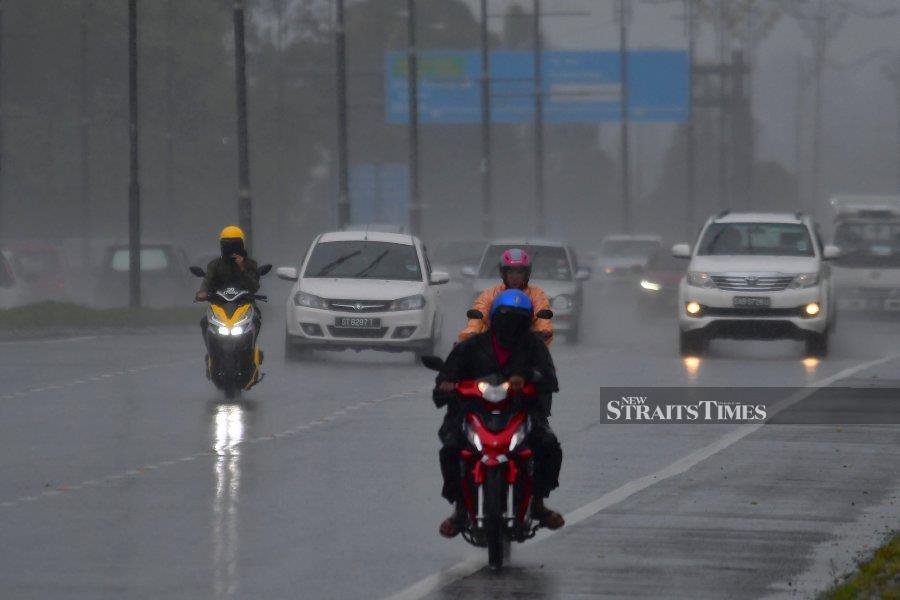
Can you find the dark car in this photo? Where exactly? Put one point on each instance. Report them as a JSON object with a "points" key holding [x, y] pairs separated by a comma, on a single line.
{"points": [[452, 255], [658, 286], [165, 279]]}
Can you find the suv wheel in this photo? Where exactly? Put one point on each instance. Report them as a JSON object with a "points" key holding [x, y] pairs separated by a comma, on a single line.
{"points": [[817, 344], [692, 343]]}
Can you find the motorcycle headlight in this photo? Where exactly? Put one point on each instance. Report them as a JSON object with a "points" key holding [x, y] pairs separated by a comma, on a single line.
{"points": [[493, 393], [309, 301], [700, 279], [416, 302], [473, 438], [237, 330], [223, 330], [561, 302], [805, 280]]}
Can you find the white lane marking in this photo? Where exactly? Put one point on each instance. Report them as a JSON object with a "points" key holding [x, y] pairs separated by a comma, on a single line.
{"points": [[53, 341], [467, 567]]}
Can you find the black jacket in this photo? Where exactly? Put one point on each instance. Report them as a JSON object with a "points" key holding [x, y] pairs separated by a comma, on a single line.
{"points": [[222, 274], [474, 358]]}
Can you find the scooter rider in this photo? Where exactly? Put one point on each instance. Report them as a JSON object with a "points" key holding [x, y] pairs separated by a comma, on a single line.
{"points": [[515, 271], [510, 349], [233, 269]]}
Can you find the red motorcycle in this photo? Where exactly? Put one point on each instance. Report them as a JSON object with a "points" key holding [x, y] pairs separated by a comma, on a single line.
{"points": [[498, 468]]}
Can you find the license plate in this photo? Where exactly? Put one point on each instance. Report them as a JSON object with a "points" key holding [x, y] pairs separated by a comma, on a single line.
{"points": [[752, 302], [357, 323]]}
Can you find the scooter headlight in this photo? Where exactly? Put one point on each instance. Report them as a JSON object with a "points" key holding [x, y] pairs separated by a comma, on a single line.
{"points": [[493, 393], [223, 330], [238, 330]]}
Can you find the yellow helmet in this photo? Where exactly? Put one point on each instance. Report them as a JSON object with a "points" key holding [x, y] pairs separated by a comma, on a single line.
{"points": [[232, 232]]}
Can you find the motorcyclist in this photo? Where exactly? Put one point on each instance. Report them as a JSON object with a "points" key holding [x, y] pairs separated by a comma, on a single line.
{"points": [[512, 350], [232, 269], [515, 271]]}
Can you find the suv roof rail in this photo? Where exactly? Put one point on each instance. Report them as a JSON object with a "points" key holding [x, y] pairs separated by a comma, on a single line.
{"points": [[723, 213]]}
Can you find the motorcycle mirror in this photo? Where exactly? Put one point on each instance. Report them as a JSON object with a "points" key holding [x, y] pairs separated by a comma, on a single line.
{"points": [[475, 314], [263, 269], [198, 271], [544, 314], [432, 362]]}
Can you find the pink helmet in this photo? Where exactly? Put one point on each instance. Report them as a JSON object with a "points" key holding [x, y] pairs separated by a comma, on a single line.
{"points": [[515, 258]]}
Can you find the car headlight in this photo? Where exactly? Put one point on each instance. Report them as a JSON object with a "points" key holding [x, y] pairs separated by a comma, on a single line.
{"points": [[309, 301], [805, 280], [416, 302], [473, 438], [650, 285], [700, 279], [562, 302]]}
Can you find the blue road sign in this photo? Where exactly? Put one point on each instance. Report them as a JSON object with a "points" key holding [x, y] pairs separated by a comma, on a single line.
{"points": [[578, 87], [379, 193]]}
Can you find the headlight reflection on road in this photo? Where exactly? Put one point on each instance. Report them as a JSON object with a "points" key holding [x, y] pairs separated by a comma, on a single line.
{"points": [[811, 364], [228, 427], [691, 366]]}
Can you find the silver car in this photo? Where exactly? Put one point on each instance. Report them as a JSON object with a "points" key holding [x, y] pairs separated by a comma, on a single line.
{"points": [[553, 268]]}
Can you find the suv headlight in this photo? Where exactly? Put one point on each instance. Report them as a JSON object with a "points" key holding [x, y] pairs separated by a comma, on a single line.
{"points": [[805, 280], [562, 302], [416, 302], [700, 279], [309, 301]]}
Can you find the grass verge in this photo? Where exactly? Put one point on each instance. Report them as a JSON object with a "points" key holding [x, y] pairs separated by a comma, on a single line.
{"points": [[878, 577], [50, 315]]}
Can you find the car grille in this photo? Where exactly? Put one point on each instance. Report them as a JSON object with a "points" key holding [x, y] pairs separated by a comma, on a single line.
{"points": [[360, 306], [752, 312], [345, 332], [752, 283]]}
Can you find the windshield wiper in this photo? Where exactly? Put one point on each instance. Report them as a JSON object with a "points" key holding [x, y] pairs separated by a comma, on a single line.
{"points": [[336, 262], [373, 264]]}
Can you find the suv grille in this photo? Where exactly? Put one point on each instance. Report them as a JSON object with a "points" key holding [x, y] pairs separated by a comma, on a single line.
{"points": [[359, 305], [752, 283]]}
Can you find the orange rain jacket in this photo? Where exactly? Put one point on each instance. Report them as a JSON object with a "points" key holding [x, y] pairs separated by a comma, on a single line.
{"points": [[486, 300]]}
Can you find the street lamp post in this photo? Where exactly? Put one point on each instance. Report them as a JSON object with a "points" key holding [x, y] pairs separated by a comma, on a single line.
{"points": [[134, 191], [412, 78], [340, 42]]}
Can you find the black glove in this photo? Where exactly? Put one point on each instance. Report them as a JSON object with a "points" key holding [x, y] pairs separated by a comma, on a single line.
{"points": [[442, 399]]}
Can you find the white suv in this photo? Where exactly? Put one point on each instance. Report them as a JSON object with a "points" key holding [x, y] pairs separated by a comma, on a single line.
{"points": [[757, 276], [363, 290]]}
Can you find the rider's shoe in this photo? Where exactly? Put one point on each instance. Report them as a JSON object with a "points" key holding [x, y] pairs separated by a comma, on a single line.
{"points": [[452, 525], [547, 517]]}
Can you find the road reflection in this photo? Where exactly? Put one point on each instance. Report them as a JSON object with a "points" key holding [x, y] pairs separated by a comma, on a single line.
{"points": [[811, 364], [229, 425], [691, 367]]}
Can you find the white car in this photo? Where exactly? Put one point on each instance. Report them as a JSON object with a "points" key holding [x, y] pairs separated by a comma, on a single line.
{"points": [[757, 276], [553, 268], [13, 292], [363, 290]]}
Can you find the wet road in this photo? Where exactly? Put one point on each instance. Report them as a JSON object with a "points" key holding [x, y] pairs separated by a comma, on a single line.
{"points": [[124, 475]]}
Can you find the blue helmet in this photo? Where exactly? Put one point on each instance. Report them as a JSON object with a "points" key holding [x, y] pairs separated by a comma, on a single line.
{"points": [[513, 299]]}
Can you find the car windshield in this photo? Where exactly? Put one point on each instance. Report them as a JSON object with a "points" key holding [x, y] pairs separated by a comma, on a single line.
{"points": [[458, 253], [875, 244], [547, 262], [663, 261], [152, 259], [627, 248], [360, 259], [773, 239]]}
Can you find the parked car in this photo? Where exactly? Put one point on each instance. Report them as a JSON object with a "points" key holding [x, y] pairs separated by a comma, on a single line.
{"points": [[363, 290], [38, 266], [165, 279], [554, 269], [12, 290], [757, 276]]}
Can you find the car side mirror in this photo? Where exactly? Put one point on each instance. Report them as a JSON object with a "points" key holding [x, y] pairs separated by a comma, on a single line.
{"points": [[198, 271], [681, 250], [474, 314], [264, 269], [287, 273], [582, 274], [830, 252], [468, 271], [439, 277], [432, 362], [544, 314]]}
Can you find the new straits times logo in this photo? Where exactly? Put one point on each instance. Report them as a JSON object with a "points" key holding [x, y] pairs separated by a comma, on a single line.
{"points": [[642, 409]]}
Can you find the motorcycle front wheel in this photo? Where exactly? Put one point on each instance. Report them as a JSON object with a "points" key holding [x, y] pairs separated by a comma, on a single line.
{"points": [[494, 490]]}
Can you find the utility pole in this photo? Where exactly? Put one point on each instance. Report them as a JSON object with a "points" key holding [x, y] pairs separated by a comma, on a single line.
{"points": [[624, 16], [723, 163], [172, 209], [3, 213], [804, 78], [540, 225], [134, 191], [412, 78], [245, 204], [891, 71], [487, 226], [340, 42], [691, 153], [84, 130]]}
